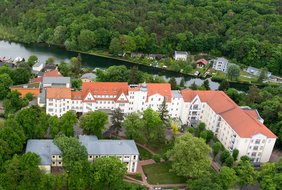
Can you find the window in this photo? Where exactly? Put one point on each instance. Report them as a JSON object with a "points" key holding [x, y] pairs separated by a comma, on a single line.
{"points": [[60, 156], [254, 154], [257, 141], [53, 156], [60, 162], [134, 157], [255, 148], [90, 156], [54, 163], [126, 157]]}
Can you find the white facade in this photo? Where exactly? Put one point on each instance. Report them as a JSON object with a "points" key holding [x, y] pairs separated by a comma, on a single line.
{"points": [[181, 55], [38, 67], [220, 64], [191, 107]]}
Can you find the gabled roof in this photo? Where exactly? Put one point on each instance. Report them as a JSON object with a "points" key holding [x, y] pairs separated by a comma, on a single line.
{"points": [[76, 95], [37, 79], [58, 93], [203, 61], [162, 89], [104, 88], [242, 123]]}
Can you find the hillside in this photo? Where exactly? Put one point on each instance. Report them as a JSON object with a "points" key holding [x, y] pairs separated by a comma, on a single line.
{"points": [[247, 31]]}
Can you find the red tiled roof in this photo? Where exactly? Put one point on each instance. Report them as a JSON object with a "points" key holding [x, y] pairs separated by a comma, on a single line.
{"points": [[104, 88], [203, 61], [252, 113], [37, 79], [162, 89], [245, 125], [58, 93], [53, 73], [76, 95]]}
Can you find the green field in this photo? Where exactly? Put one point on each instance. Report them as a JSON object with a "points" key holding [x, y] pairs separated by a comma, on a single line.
{"points": [[159, 174]]}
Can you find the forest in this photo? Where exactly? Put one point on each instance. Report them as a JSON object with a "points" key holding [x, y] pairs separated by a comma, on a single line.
{"points": [[246, 31]]}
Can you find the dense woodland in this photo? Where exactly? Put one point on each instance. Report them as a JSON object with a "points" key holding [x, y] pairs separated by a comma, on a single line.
{"points": [[247, 31]]}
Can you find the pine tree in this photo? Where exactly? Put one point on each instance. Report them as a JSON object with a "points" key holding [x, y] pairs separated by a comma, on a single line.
{"points": [[173, 83], [117, 119], [182, 83], [194, 86], [163, 111], [206, 85]]}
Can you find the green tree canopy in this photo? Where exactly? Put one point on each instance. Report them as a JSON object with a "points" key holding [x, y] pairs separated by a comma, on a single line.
{"points": [[94, 123], [190, 156]]}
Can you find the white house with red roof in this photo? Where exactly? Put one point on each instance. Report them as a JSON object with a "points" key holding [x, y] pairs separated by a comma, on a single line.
{"points": [[235, 127]]}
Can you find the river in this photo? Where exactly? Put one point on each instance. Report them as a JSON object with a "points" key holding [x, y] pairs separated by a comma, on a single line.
{"points": [[43, 52]]}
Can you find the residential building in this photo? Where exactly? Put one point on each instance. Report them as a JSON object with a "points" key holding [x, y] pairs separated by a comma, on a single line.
{"points": [[220, 64], [56, 82], [214, 108], [88, 77], [201, 63], [51, 155], [256, 72], [181, 55], [38, 66]]}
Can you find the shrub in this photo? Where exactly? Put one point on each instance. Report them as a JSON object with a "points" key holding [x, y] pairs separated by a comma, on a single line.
{"points": [[235, 154], [29, 96], [157, 158], [191, 130], [224, 155], [166, 156]]}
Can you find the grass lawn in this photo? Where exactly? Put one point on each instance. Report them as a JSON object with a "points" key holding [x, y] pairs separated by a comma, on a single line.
{"points": [[144, 154], [136, 176], [159, 174]]}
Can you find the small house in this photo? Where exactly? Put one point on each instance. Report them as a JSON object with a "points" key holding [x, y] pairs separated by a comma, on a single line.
{"points": [[181, 55], [256, 72], [201, 63], [220, 64], [88, 77], [37, 67]]}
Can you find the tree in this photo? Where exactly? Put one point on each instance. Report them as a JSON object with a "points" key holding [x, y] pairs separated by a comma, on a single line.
{"points": [[134, 126], [203, 135], [20, 171], [209, 181], [229, 161], [67, 121], [224, 85], [72, 151], [5, 83], [54, 125], [193, 86], [115, 47], [206, 85], [246, 172], [235, 154], [59, 35], [201, 127], [190, 156], [94, 123], [191, 130], [113, 74], [270, 176], [182, 83], [21, 76], [173, 83], [233, 72], [33, 122], [153, 130], [227, 177], [253, 94], [175, 130], [209, 136], [216, 148], [262, 75], [163, 110], [127, 43], [32, 60], [76, 84], [224, 155], [86, 40], [29, 96], [117, 118], [13, 102], [107, 173]]}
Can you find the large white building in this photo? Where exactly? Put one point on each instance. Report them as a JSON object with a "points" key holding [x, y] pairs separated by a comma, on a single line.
{"points": [[220, 64], [51, 155], [235, 127]]}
